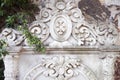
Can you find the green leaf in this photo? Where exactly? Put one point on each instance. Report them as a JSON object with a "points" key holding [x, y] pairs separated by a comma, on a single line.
{"points": [[1, 12]]}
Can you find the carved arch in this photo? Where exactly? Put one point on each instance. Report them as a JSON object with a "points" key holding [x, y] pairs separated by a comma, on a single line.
{"points": [[60, 68]]}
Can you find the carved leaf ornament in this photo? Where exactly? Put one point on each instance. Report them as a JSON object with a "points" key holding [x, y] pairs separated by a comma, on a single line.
{"points": [[62, 21], [60, 68]]}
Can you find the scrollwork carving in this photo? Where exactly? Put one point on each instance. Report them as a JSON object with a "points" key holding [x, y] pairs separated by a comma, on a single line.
{"points": [[60, 5], [76, 15], [60, 68], [12, 37], [41, 30], [64, 21], [84, 35], [107, 33], [45, 14]]}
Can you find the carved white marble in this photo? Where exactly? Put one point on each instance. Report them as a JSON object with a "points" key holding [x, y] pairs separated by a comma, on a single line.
{"points": [[86, 63], [76, 49]]}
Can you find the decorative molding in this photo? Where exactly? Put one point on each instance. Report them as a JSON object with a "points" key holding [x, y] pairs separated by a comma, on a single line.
{"points": [[41, 30], [84, 35], [11, 67], [108, 67], [12, 37], [60, 68], [62, 21], [60, 27]]}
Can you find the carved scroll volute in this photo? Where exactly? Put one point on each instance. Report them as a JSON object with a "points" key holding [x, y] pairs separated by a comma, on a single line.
{"points": [[41, 30], [107, 34], [76, 15], [84, 35], [45, 15], [60, 27], [12, 37]]}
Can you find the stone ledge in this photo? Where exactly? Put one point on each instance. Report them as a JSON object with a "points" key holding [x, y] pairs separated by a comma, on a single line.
{"points": [[30, 50]]}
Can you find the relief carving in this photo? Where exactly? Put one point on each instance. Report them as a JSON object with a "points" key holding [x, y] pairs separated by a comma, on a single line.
{"points": [[76, 15], [41, 30], [107, 34], [65, 22], [61, 27], [84, 35], [108, 67], [60, 68], [12, 37], [45, 15]]}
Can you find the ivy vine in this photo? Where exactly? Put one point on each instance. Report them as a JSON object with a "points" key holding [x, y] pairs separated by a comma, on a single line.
{"points": [[14, 13], [19, 21], [32, 39], [3, 51]]}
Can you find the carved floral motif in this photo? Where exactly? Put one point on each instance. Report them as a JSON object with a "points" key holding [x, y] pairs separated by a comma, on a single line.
{"points": [[61, 27], [60, 68], [64, 21]]}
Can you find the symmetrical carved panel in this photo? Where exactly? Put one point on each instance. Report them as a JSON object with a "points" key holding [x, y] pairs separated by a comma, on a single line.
{"points": [[62, 21], [60, 27], [60, 68]]}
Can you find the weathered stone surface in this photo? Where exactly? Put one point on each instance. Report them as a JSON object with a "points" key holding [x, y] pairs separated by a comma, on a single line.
{"points": [[77, 46], [117, 69]]}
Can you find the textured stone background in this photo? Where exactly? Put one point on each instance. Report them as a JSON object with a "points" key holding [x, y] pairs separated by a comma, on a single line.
{"points": [[117, 69]]}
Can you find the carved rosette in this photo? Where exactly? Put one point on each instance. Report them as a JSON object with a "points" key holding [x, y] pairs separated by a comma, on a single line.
{"points": [[60, 17], [64, 21], [61, 27], [41, 30], [60, 68]]}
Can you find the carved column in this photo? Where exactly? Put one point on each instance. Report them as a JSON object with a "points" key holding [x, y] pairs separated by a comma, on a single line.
{"points": [[11, 67], [108, 67]]}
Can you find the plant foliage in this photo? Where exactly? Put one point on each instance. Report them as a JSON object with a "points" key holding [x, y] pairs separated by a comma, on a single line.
{"points": [[3, 53], [14, 13], [9, 8], [15, 20], [32, 39], [1, 70], [3, 46]]}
